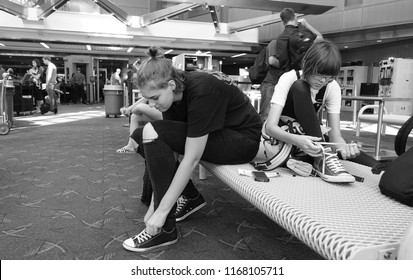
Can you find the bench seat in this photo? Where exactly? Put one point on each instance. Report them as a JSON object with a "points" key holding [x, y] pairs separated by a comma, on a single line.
{"points": [[338, 221]]}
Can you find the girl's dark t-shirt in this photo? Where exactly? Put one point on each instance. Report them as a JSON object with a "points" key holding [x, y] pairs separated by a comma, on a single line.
{"points": [[210, 102]]}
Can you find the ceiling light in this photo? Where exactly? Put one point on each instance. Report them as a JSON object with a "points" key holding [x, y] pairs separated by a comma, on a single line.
{"points": [[115, 48], [379, 41], [111, 35], [88, 47], [169, 51], [130, 49], [44, 45], [237, 55], [346, 47], [2, 45]]}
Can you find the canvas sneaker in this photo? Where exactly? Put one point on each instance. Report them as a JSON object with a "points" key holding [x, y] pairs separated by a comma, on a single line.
{"points": [[186, 206], [329, 168], [144, 242]]}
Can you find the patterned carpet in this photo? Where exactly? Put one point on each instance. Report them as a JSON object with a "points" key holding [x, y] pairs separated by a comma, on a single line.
{"points": [[66, 194]]}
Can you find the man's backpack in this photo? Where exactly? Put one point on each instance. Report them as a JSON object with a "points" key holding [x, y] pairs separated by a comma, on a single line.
{"points": [[259, 70], [298, 44]]}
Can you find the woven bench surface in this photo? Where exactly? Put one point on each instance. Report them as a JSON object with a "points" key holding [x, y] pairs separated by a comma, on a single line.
{"points": [[339, 221]]}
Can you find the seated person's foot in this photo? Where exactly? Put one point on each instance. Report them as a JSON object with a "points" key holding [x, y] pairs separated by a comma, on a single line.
{"points": [[144, 242], [126, 150], [187, 206], [329, 168], [55, 110]]}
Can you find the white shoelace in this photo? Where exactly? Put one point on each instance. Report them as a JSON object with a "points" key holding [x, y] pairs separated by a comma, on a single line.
{"points": [[331, 160], [182, 200], [142, 237]]}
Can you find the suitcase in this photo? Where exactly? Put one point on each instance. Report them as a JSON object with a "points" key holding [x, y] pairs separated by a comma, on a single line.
{"points": [[44, 108]]}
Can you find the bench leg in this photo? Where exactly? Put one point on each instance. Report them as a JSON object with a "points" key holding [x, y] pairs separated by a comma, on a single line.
{"points": [[358, 128], [406, 245], [383, 129], [202, 173]]}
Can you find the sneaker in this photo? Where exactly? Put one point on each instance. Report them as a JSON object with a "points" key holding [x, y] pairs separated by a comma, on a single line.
{"points": [[329, 168], [144, 242], [186, 206]]}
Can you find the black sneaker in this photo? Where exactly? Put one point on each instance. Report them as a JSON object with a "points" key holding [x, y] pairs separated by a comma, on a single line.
{"points": [[329, 168], [186, 206], [144, 242]]}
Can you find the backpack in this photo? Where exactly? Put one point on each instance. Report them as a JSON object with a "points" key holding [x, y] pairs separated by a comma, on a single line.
{"points": [[397, 179], [298, 44], [259, 70], [276, 151]]}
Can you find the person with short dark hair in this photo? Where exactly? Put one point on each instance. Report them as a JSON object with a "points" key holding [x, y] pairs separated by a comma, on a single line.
{"points": [[297, 95], [78, 81], [290, 23]]}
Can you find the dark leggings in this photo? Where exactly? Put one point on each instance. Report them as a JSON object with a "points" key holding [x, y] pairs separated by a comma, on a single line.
{"points": [[300, 107], [225, 146]]}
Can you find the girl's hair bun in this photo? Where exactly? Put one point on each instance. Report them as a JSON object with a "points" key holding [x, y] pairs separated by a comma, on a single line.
{"points": [[155, 52]]}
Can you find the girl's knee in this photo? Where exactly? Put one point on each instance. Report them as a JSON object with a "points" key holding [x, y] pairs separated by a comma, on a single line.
{"points": [[149, 133]]}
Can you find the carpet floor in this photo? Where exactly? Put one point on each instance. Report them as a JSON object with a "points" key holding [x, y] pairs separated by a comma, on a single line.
{"points": [[65, 194]]}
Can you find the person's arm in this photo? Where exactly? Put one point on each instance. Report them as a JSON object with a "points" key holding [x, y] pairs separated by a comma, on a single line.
{"points": [[347, 150], [48, 74], [304, 142], [127, 111], [194, 148], [136, 64], [305, 23], [39, 74], [273, 61]]}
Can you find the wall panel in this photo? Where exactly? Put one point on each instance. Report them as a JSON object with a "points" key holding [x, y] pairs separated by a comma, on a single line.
{"points": [[372, 55]]}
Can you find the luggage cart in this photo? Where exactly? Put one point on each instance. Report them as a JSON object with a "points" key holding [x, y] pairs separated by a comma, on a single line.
{"points": [[5, 124]]}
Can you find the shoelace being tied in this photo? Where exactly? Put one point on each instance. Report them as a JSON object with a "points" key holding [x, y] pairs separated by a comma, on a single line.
{"points": [[331, 160], [182, 200], [142, 237]]}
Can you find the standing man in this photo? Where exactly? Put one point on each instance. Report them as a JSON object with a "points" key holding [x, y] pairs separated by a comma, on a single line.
{"points": [[290, 22], [115, 78], [51, 75], [270, 80], [78, 82]]}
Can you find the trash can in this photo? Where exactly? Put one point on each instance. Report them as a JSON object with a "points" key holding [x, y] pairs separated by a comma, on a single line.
{"points": [[113, 99], [9, 87]]}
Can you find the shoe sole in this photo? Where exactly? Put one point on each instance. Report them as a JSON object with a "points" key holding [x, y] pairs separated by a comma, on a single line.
{"points": [[190, 212], [133, 249], [336, 179]]}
